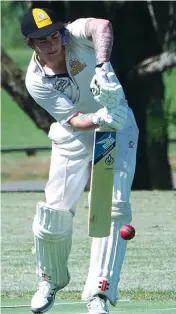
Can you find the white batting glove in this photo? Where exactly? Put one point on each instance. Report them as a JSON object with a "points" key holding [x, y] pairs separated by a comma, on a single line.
{"points": [[110, 118], [106, 87]]}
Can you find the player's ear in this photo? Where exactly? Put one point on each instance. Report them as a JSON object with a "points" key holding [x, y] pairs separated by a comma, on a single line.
{"points": [[29, 43]]}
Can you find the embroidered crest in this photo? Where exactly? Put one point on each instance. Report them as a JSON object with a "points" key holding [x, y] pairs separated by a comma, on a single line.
{"points": [[76, 66]]}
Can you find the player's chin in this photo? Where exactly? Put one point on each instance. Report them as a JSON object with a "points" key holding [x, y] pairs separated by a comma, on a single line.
{"points": [[52, 56]]}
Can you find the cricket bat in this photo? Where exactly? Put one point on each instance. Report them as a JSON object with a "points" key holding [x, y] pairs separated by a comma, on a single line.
{"points": [[101, 185]]}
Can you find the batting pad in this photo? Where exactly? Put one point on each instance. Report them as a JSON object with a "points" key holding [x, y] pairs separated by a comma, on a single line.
{"points": [[53, 239], [107, 256]]}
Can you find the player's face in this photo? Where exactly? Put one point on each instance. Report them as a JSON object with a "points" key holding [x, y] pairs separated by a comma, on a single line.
{"points": [[49, 47]]}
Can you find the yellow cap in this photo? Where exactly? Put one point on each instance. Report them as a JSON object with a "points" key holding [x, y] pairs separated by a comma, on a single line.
{"points": [[41, 18]]}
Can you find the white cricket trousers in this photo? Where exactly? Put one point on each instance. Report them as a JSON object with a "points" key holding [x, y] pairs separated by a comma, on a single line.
{"points": [[69, 173], [71, 164]]}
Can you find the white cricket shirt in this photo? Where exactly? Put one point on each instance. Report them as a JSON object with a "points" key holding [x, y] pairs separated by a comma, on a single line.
{"points": [[63, 96]]}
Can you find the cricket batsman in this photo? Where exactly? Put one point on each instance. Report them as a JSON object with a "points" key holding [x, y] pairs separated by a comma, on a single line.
{"points": [[71, 77]]}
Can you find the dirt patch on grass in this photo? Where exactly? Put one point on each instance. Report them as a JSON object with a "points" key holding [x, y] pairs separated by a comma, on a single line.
{"points": [[25, 169], [37, 167], [172, 162]]}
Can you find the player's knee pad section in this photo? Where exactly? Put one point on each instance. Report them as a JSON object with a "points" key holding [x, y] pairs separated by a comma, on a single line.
{"points": [[107, 256], [53, 238], [121, 211]]}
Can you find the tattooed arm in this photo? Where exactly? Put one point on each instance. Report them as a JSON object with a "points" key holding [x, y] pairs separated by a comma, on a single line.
{"points": [[105, 85], [101, 118], [101, 33], [83, 121]]}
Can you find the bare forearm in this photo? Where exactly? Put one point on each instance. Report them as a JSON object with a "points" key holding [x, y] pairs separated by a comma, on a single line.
{"points": [[83, 121], [101, 33]]}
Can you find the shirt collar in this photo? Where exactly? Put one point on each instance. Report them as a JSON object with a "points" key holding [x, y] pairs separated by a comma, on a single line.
{"points": [[40, 68]]}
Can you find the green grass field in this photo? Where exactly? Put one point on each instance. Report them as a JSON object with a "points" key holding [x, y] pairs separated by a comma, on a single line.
{"points": [[131, 307], [148, 274], [16, 127]]}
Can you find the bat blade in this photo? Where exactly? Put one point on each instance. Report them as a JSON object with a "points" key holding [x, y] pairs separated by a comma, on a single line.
{"points": [[101, 187]]}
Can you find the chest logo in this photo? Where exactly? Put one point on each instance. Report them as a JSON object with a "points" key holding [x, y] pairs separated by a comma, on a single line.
{"points": [[61, 85], [76, 66]]}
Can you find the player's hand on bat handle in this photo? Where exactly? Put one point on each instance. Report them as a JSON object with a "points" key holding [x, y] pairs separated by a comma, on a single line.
{"points": [[110, 118], [106, 87]]}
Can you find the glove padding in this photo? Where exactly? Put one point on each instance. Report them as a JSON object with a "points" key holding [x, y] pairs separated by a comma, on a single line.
{"points": [[111, 119], [106, 87]]}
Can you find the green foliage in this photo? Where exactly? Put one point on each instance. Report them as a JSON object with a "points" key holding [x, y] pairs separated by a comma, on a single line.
{"points": [[161, 121], [170, 101], [156, 126], [11, 11], [21, 56]]}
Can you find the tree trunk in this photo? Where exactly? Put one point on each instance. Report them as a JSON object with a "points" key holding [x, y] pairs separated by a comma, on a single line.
{"points": [[153, 170], [157, 138], [12, 81]]}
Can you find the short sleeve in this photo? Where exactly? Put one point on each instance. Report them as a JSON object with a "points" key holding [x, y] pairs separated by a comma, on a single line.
{"points": [[77, 30], [58, 105]]}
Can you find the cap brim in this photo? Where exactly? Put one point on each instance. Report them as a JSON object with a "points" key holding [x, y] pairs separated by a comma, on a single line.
{"points": [[47, 30]]}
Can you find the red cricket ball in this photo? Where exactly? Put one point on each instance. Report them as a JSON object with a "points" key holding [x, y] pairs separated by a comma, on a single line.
{"points": [[127, 232]]}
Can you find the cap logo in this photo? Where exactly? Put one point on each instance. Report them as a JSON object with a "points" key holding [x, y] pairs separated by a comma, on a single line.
{"points": [[41, 18]]}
